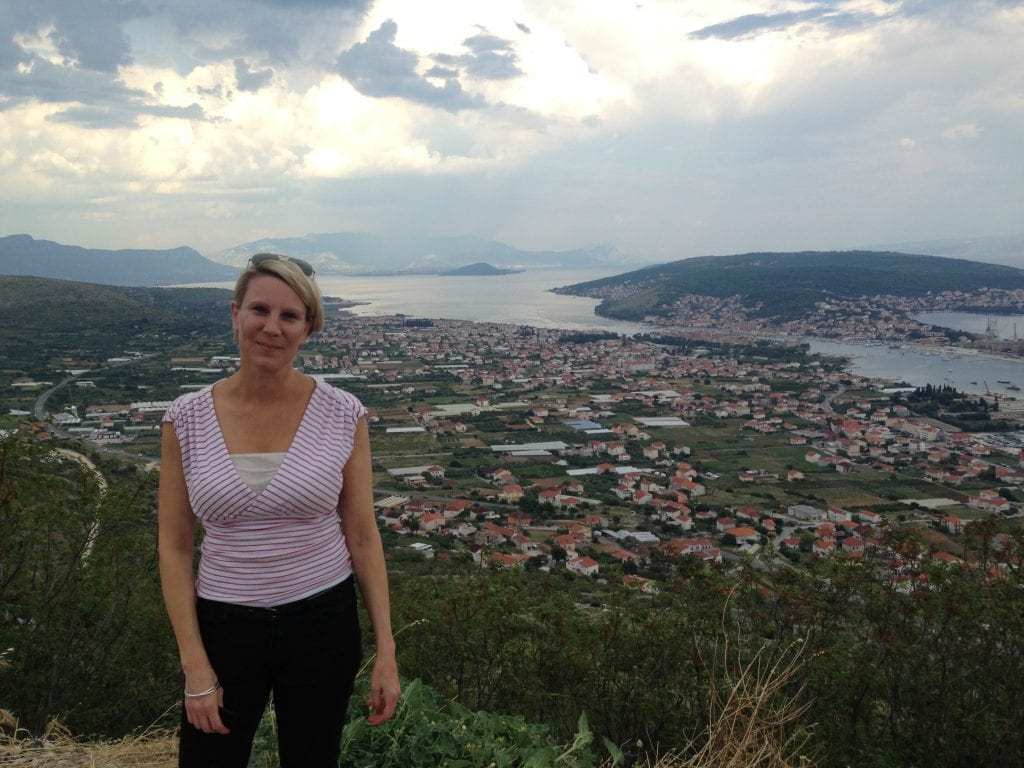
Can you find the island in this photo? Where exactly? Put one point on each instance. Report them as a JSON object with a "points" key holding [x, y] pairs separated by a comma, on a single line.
{"points": [[480, 269]]}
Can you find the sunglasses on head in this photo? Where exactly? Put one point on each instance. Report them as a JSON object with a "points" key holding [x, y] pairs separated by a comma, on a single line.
{"points": [[262, 258]]}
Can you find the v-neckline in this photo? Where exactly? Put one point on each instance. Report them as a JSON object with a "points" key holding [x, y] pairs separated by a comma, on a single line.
{"points": [[226, 454]]}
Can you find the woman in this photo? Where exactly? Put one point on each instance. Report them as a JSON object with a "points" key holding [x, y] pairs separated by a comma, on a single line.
{"points": [[267, 460]]}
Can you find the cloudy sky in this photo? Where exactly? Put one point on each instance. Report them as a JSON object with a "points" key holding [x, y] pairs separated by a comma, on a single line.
{"points": [[667, 128]]}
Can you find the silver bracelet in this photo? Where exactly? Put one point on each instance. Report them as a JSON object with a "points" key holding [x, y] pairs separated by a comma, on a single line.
{"points": [[212, 689]]}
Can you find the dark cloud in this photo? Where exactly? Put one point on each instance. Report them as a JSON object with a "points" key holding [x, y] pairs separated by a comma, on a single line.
{"points": [[492, 58], [758, 23], [219, 91], [104, 101], [441, 73], [17, 17], [523, 28], [92, 33], [824, 14], [122, 115], [92, 44], [11, 54], [486, 65], [52, 84], [484, 43], [89, 34], [377, 67], [249, 79]]}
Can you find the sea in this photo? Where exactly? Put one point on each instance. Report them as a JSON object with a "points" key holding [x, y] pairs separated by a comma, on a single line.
{"points": [[525, 298], [520, 298]]}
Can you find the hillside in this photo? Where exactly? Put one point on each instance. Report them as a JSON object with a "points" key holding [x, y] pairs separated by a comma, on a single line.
{"points": [[787, 285], [25, 256], [61, 306], [40, 316]]}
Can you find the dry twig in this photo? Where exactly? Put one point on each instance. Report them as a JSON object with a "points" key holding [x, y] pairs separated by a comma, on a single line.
{"points": [[755, 714]]}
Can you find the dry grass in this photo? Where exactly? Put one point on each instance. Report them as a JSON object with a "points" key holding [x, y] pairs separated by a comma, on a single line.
{"points": [[753, 725], [56, 748], [756, 713]]}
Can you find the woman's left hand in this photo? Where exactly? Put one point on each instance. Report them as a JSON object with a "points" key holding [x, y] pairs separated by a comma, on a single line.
{"points": [[384, 690]]}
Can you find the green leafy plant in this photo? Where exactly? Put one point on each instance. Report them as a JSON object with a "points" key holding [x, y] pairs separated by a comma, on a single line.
{"points": [[429, 733]]}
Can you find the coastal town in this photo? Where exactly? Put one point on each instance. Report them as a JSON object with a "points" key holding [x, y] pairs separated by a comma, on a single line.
{"points": [[880, 319], [609, 457]]}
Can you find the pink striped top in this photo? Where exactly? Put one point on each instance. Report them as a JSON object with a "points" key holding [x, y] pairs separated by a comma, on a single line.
{"points": [[285, 542]]}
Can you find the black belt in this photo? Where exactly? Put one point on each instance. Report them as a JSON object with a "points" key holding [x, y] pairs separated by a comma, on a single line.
{"points": [[293, 608]]}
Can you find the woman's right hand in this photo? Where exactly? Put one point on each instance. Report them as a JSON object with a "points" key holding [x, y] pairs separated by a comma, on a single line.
{"points": [[204, 712]]}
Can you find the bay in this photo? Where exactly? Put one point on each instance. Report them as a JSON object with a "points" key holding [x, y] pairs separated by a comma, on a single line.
{"points": [[973, 373], [523, 298], [1000, 326]]}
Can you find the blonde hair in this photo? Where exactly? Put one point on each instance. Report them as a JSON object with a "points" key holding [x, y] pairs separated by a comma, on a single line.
{"points": [[289, 271]]}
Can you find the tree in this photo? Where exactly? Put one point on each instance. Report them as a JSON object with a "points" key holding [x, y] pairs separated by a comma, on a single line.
{"points": [[80, 600], [558, 554]]}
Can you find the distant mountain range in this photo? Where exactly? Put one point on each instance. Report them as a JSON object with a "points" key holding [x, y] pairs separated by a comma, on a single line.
{"points": [[996, 249], [350, 253], [23, 255], [788, 285], [362, 253], [343, 253]]}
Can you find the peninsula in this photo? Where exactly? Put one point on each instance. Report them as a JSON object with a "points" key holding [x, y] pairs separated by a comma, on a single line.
{"points": [[843, 295]]}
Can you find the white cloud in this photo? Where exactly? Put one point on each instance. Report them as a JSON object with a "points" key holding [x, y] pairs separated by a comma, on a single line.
{"points": [[667, 128], [39, 42]]}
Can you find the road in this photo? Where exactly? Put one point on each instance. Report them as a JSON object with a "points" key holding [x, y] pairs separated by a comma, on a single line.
{"points": [[40, 413], [39, 410]]}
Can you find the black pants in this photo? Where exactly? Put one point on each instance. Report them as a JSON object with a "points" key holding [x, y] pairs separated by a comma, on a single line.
{"points": [[306, 653]]}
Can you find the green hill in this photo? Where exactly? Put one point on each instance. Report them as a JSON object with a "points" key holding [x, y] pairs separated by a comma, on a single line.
{"points": [[41, 318], [787, 285]]}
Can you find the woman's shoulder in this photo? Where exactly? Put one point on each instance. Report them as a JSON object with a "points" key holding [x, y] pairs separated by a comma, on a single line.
{"points": [[188, 402], [339, 397]]}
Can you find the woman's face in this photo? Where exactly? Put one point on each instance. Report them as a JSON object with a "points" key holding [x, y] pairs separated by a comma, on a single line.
{"points": [[270, 323]]}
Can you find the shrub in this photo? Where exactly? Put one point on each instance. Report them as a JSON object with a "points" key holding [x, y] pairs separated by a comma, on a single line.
{"points": [[429, 733]]}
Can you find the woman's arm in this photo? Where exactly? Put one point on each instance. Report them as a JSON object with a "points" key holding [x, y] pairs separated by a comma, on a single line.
{"points": [[367, 552], [176, 543]]}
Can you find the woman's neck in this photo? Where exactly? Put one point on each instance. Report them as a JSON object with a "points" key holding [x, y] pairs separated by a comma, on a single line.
{"points": [[258, 387]]}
